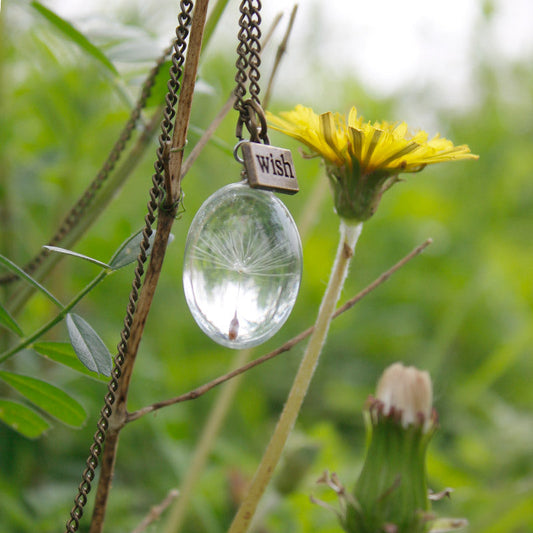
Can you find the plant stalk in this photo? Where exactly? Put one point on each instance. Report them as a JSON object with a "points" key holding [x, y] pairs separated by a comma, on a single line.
{"points": [[164, 225], [349, 235]]}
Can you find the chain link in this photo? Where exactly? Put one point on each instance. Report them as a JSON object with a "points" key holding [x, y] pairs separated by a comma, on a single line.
{"points": [[242, 57], [254, 48], [248, 62], [178, 59]]}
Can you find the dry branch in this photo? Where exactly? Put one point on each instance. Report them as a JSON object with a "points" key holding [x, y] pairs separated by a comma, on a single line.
{"points": [[201, 390]]}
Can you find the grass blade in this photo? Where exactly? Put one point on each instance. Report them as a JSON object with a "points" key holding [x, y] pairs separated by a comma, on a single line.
{"points": [[69, 31], [59, 250], [19, 272], [7, 321]]}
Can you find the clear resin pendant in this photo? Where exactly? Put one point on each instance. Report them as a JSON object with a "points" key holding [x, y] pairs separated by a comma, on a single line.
{"points": [[243, 266]]}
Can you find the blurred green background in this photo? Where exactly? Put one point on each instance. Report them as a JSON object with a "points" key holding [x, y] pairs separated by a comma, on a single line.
{"points": [[463, 310]]}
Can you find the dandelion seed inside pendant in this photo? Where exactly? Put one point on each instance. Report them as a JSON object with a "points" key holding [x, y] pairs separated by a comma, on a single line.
{"points": [[243, 266]]}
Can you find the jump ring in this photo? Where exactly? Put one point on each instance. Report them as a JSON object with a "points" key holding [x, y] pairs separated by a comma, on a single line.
{"points": [[236, 149]]}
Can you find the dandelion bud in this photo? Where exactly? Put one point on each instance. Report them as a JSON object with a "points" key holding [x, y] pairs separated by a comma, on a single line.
{"points": [[408, 392], [391, 493]]}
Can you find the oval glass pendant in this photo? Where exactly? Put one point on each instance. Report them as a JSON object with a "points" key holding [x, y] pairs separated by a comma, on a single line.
{"points": [[242, 266]]}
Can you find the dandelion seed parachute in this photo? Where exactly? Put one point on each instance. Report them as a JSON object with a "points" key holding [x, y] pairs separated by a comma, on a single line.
{"points": [[242, 266]]}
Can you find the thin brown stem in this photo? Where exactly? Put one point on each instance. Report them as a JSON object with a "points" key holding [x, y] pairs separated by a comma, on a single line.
{"points": [[226, 108], [282, 48], [203, 389], [156, 511], [165, 221], [206, 136], [183, 113], [104, 481]]}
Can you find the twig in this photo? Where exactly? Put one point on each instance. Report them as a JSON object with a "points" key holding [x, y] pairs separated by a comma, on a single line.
{"points": [[201, 390], [206, 136], [156, 511], [226, 108], [272, 29], [183, 113], [281, 50], [165, 221]]}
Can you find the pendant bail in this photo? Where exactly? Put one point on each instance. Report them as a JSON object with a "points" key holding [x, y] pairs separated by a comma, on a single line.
{"points": [[253, 117]]}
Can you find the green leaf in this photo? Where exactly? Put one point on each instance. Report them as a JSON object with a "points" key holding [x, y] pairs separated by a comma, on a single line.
{"points": [[89, 347], [69, 31], [212, 21], [75, 254], [159, 88], [8, 322], [129, 250], [19, 272], [22, 419], [64, 354], [47, 397]]}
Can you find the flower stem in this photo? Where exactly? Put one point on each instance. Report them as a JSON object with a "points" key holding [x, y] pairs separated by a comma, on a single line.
{"points": [[349, 234]]}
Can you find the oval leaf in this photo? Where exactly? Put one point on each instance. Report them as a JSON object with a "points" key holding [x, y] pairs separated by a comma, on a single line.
{"points": [[129, 250], [89, 347], [47, 397], [75, 254], [64, 354], [22, 419], [8, 322]]}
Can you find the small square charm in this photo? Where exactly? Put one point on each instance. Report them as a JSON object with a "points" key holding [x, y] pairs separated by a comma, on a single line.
{"points": [[268, 167]]}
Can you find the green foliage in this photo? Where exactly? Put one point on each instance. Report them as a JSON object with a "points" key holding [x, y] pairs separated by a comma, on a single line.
{"points": [[22, 419], [64, 354], [9, 322], [463, 310], [20, 272], [74, 35], [89, 347], [47, 397], [59, 250]]}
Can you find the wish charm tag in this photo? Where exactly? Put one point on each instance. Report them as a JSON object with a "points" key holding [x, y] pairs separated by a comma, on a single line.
{"points": [[270, 168]]}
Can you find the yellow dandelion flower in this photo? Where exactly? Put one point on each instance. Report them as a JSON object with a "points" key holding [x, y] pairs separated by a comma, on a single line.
{"points": [[363, 159]]}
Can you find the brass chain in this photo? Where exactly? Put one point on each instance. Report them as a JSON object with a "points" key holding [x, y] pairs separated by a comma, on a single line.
{"points": [[156, 193], [75, 214], [248, 62]]}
